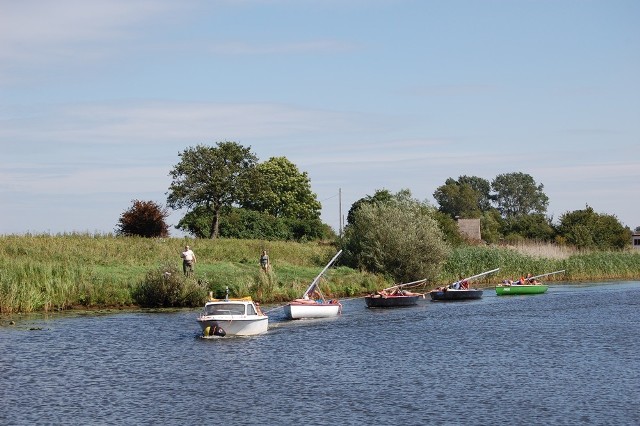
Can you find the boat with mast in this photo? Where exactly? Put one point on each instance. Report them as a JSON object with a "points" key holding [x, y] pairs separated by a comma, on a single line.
{"points": [[395, 296], [460, 290], [313, 304], [528, 285]]}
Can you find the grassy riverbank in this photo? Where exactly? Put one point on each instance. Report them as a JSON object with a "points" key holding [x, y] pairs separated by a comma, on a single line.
{"points": [[45, 273]]}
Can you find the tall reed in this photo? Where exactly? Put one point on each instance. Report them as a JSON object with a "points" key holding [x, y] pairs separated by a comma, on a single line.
{"points": [[44, 272]]}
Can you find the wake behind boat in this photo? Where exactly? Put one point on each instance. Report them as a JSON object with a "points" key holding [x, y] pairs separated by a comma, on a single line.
{"points": [[232, 317], [313, 304], [528, 285], [394, 297], [459, 290]]}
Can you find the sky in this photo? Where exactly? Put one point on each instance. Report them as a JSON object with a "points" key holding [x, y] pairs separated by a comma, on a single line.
{"points": [[98, 99]]}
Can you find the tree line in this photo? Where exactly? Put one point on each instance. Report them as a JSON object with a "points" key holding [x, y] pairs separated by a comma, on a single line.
{"points": [[513, 207], [229, 193]]}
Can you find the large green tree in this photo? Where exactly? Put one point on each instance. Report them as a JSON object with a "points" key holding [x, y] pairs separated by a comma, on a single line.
{"points": [[212, 178], [399, 238], [482, 187], [467, 197], [534, 226], [590, 230], [285, 191], [242, 223], [517, 194], [381, 196]]}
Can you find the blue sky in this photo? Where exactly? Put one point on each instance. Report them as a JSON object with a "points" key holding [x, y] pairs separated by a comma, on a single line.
{"points": [[97, 98]]}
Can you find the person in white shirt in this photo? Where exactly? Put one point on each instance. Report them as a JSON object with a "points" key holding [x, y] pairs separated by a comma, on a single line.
{"points": [[188, 260]]}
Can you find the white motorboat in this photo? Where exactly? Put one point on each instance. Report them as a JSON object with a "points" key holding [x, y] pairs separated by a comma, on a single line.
{"points": [[313, 304], [232, 317]]}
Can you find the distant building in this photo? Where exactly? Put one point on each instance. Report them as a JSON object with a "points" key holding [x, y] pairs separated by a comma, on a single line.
{"points": [[635, 240], [470, 228]]}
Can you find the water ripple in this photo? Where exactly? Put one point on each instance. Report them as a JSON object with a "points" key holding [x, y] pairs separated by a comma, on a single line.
{"points": [[566, 357]]}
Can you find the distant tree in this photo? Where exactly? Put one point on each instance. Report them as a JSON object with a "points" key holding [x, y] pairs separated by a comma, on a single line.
{"points": [[466, 197], [449, 228], [491, 225], [482, 187], [144, 219], [535, 226], [285, 191], [517, 194], [587, 229], [380, 196], [250, 224], [197, 222], [213, 178], [399, 238]]}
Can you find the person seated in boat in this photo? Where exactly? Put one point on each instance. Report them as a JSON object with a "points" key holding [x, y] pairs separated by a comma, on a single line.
{"points": [[520, 281], [259, 311], [464, 285], [381, 293], [315, 295], [531, 280]]}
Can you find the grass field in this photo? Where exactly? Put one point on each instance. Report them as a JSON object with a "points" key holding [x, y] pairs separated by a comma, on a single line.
{"points": [[45, 273]]}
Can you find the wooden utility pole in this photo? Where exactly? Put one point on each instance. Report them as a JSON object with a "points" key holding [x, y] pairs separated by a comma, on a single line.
{"points": [[340, 212]]}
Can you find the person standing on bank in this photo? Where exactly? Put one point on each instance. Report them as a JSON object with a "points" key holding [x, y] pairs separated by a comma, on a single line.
{"points": [[188, 260], [264, 261]]}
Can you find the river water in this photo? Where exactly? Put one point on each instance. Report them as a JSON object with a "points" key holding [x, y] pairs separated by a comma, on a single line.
{"points": [[569, 356]]}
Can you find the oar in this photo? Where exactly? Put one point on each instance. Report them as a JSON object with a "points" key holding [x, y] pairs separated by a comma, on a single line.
{"points": [[403, 285], [544, 275], [478, 275]]}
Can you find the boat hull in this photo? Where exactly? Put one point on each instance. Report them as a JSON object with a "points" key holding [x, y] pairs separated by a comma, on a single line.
{"points": [[216, 326], [391, 301], [454, 294], [310, 310], [505, 290]]}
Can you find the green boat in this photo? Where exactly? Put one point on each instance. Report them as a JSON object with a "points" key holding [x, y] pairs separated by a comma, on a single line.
{"points": [[505, 290], [529, 285]]}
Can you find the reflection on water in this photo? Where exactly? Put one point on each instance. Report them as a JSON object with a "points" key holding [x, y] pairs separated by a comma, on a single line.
{"points": [[565, 357]]}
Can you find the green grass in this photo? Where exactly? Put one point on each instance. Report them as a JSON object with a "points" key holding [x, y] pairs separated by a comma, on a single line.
{"points": [[46, 273], [578, 266]]}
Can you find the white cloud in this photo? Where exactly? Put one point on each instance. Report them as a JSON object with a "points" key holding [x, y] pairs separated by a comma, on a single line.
{"points": [[174, 121], [312, 46], [40, 34], [32, 24], [61, 180]]}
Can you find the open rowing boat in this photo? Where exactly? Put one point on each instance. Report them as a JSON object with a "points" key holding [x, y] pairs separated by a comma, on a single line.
{"points": [[459, 290], [529, 285], [394, 297]]}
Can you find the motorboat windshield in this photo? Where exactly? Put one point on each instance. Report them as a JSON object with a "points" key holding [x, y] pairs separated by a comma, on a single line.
{"points": [[229, 309]]}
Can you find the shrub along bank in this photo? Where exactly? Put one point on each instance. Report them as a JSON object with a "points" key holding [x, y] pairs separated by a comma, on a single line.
{"points": [[48, 273]]}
